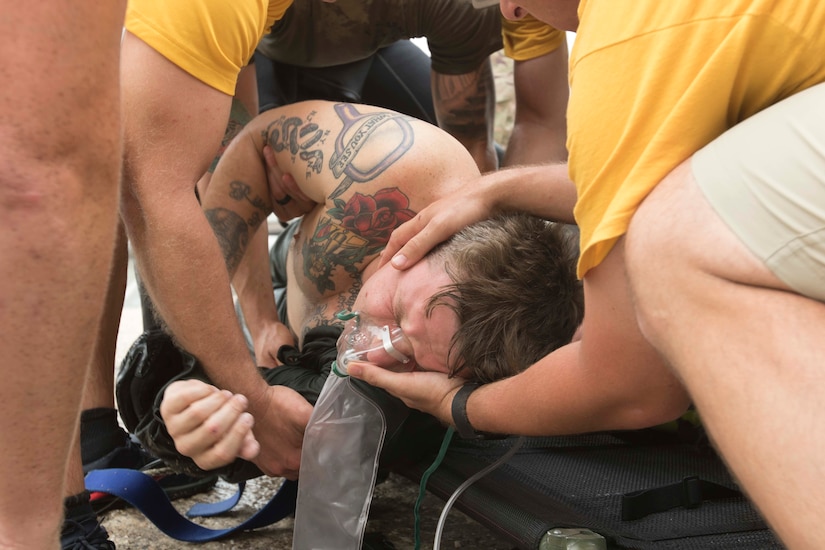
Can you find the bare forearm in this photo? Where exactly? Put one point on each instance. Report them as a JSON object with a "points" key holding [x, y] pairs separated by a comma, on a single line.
{"points": [[253, 284], [537, 402], [533, 142], [540, 128], [542, 190], [609, 379], [197, 307], [558, 396], [555, 396]]}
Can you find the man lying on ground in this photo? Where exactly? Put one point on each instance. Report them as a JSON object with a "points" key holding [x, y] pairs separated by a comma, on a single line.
{"points": [[483, 306]]}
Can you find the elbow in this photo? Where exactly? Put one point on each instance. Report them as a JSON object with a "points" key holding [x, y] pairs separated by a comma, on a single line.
{"points": [[653, 409]]}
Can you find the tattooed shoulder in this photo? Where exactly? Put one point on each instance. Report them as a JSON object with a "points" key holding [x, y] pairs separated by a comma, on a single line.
{"points": [[302, 138]]}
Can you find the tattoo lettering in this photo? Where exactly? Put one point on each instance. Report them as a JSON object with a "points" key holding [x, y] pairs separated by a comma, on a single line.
{"points": [[240, 191], [316, 318], [298, 137], [314, 160], [231, 232], [347, 301], [355, 137], [321, 315]]}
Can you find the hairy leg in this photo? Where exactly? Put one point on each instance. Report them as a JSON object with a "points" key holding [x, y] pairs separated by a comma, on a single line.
{"points": [[59, 173], [99, 388], [748, 349]]}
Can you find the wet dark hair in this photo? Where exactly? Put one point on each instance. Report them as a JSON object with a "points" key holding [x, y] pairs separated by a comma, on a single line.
{"points": [[515, 292]]}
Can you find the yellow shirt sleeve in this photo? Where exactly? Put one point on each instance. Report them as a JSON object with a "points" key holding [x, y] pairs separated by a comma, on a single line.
{"points": [[210, 39], [650, 92], [529, 38]]}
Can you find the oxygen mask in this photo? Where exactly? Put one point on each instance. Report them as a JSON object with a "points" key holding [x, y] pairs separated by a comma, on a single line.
{"points": [[344, 438], [366, 340]]}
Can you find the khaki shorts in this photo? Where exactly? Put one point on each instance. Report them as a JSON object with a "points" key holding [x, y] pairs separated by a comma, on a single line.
{"points": [[765, 178]]}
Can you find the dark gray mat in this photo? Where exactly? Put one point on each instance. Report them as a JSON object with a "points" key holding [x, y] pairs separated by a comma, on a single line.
{"points": [[580, 482]]}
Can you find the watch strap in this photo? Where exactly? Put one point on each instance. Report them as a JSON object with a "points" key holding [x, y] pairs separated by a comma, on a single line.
{"points": [[459, 411]]}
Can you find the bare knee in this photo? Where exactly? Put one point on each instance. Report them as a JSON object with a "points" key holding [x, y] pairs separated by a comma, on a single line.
{"points": [[41, 199]]}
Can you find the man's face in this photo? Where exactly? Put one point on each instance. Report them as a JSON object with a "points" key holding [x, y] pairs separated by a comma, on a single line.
{"points": [[390, 295]]}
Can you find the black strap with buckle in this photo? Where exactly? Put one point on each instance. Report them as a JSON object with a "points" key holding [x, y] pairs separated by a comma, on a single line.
{"points": [[689, 493]]}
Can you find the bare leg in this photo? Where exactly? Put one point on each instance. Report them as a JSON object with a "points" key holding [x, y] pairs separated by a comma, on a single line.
{"points": [[749, 351], [60, 166], [99, 389]]}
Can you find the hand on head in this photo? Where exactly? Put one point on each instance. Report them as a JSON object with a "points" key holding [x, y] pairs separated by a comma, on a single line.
{"points": [[436, 223]]}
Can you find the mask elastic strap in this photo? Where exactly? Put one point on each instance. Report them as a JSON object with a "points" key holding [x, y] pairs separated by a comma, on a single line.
{"points": [[389, 348]]}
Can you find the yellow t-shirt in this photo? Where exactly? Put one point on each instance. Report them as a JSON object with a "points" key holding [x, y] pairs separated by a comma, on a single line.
{"points": [[529, 38], [209, 39], [652, 82]]}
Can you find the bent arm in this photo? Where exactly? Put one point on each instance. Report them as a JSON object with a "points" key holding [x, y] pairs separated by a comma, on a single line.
{"points": [[237, 204], [173, 125], [543, 191], [540, 127], [465, 107], [242, 193], [253, 285], [611, 379], [237, 201]]}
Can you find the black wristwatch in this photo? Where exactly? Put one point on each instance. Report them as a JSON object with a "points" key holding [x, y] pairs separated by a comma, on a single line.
{"points": [[459, 410]]}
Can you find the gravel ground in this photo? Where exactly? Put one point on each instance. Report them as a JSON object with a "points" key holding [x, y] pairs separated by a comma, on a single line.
{"points": [[391, 519]]}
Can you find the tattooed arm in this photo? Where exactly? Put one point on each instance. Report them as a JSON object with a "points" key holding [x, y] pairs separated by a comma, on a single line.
{"points": [[465, 107], [236, 204], [368, 170], [335, 152], [239, 199]]}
